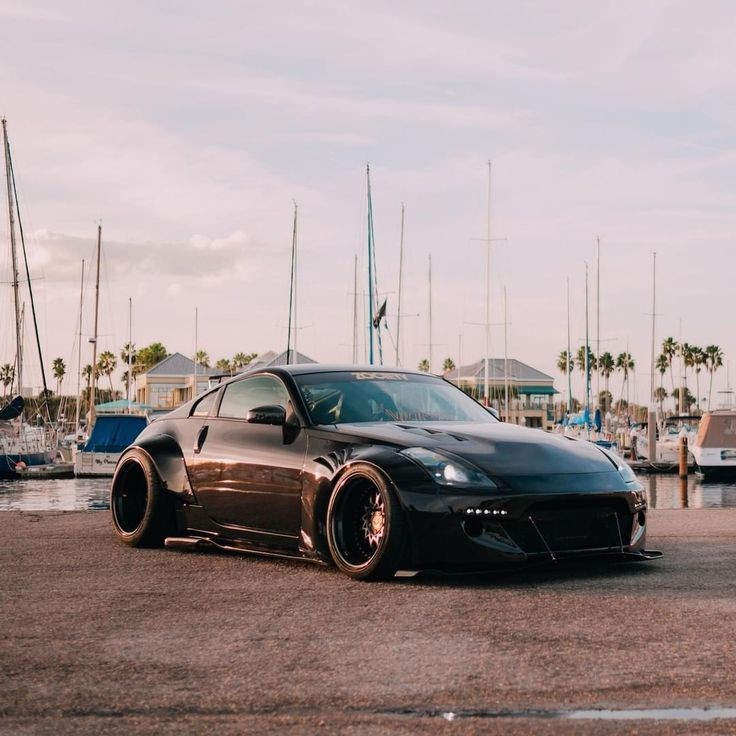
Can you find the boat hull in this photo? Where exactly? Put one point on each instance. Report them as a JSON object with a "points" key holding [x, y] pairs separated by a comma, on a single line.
{"points": [[95, 464], [49, 471], [717, 472], [9, 461]]}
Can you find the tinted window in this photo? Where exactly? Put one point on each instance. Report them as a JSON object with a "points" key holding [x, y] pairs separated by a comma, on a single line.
{"points": [[383, 396], [203, 408], [242, 396]]}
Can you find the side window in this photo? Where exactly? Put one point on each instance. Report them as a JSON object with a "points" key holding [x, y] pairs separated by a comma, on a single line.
{"points": [[203, 408], [242, 396]]}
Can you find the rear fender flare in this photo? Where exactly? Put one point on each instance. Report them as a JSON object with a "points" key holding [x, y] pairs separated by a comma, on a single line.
{"points": [[167, 459]]}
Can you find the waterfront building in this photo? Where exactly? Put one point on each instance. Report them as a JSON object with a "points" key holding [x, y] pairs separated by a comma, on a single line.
{"points": [[531, 392], [169, 383]]}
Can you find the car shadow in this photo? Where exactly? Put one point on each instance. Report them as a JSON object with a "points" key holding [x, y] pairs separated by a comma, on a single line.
{"points": [[546, 573]]}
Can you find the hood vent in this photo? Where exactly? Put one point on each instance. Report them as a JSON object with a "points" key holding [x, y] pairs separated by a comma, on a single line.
{"points": [[430, 431]]}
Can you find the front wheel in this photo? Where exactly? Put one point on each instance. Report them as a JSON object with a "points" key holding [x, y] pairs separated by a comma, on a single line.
{"points": [[366, 529], [142, 512]]}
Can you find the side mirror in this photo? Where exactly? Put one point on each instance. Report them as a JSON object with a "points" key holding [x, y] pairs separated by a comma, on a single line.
{"points": [[494, 412], [270, 414]]}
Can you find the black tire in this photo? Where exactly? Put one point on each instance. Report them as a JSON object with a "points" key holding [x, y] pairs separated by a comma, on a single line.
{"points": [[143, 514], [366, 528]]}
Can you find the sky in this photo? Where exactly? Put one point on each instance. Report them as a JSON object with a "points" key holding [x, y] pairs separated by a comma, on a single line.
{"points": [[189, 130]]}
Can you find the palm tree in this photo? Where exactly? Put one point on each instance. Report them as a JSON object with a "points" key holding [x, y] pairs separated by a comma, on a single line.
{"points": [[605, 400], [240, 360], [670, 348], [423, 365], [7, 376], [106, 364], [698, 361], [129, 356], [128, 353], [87, 375], [660, 394], [580, 359], [562, 362], [606, 365], [624, 363], [59, 370], [224, 365], [151, 355], [687, 403], [592, 363], [662, 364], [687, 354], [714, 360], [448, 365], [202, 358]]}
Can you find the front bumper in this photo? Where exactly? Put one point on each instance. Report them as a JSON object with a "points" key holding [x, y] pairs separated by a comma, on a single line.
{"points": [[477, 531]]}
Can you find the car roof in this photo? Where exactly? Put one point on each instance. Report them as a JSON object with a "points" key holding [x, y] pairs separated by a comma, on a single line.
{"points": [[301, 369]]}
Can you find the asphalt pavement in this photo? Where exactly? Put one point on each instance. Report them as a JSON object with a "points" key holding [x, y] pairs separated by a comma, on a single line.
{"points": [[99, 638]]}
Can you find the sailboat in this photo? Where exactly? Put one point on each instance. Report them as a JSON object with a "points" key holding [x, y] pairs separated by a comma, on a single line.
{"points": [[21, 445]]}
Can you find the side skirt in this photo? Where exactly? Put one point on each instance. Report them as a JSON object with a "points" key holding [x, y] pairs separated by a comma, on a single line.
{"points": [[199, 531]]}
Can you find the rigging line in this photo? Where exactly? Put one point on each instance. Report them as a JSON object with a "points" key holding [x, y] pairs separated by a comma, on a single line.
{"points": [[291, 287], [28, 277]]}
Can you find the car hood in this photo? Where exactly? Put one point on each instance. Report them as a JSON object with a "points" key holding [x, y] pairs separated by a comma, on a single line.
{"points": [[499, 449]]}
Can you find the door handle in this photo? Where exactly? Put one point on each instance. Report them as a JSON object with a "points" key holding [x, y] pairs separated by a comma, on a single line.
{"points": [[201, 437]]}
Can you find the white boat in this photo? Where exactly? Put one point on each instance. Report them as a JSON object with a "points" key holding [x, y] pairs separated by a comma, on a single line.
{"points": [[111, 434], [714, 447], [668, 440], [24, 445]]}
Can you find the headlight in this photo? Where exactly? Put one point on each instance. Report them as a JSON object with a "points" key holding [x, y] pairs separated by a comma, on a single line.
{"points": [[447, 472]]}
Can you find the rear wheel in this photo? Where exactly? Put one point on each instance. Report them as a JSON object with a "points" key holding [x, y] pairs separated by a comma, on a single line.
{"points": [[366, 529], [142, 512]]}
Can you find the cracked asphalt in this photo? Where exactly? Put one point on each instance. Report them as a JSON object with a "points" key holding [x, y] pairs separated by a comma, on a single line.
{"points": [[96, 637]]}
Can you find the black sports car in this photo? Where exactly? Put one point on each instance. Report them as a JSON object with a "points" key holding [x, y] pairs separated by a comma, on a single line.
{"points": [[374, 470]]}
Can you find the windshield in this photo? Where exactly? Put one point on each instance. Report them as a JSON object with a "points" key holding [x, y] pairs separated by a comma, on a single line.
{"points": [[374, 396]]}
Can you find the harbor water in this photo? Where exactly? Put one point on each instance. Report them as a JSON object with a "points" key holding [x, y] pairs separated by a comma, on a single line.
{"points": [[79, 494]]}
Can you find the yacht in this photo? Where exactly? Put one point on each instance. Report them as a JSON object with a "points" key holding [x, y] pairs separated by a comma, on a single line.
{"points": [[714, 447], [668, 439]]}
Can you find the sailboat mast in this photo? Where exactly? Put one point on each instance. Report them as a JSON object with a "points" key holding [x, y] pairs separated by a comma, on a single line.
{"points": [[430, 314], [196, 350], [598, 324], [79, 353], [371, 305], [569, 372], [355, 312], [652, 433], [401, 272], [488, 296], [93, 383], [587, 349], [130, 349], [292, 292], [14, 262], [505, 358]]}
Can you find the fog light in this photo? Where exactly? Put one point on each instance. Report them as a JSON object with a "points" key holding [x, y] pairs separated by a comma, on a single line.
{"points": [[486, 512]]}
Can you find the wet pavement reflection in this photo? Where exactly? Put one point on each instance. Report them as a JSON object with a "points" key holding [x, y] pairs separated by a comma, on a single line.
{"points": [[79, 494], [672, 492], [73, 494]]}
